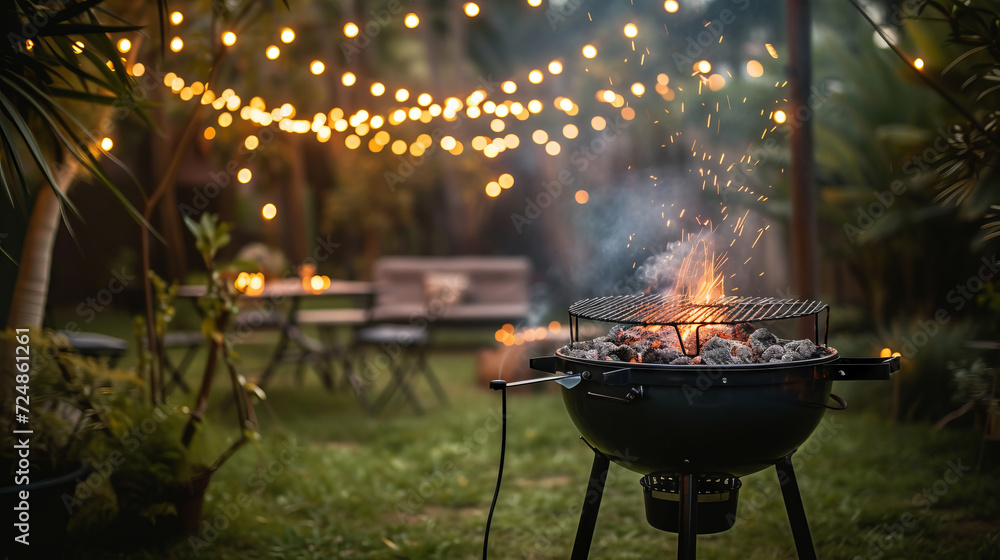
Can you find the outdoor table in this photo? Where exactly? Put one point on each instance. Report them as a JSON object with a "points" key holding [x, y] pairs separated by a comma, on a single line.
{"points": [[290, 326]]}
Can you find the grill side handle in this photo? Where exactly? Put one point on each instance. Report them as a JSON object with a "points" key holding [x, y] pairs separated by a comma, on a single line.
{"points": [[547, 364], [859, 369]]}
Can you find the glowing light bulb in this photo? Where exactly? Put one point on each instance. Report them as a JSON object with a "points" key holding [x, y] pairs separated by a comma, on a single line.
{"points": [[535, 76], [244, 175], [589, 51], [317, 67], [272, 52], [411, 20], [176, 18], [377, 89], [287, 35], [918, 64], [229, 38], [348, 79], [631, 31], [269, 211], [125, 45], [402, 95], [351, 29], [176, 44], [471, 9], [107, 144], [780, 117], [671, 6]]}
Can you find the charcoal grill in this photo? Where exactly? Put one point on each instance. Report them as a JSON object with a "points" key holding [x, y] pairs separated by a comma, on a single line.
{"points": [[693, 430]]}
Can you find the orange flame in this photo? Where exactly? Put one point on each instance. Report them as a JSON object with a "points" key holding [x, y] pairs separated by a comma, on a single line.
{"points": [[701, 281]]}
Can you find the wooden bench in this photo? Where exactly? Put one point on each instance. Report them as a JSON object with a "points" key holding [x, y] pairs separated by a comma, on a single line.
{"points": [[451, 291]]}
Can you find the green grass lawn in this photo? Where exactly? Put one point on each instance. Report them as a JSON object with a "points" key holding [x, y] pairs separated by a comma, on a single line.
{"points": [[328, 481]]}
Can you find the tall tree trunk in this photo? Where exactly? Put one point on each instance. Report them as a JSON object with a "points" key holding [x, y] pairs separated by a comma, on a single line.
{"points": [[32, 287]]}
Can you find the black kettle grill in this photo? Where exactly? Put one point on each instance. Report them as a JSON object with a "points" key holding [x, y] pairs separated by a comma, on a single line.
{"points": [[693, 430]]}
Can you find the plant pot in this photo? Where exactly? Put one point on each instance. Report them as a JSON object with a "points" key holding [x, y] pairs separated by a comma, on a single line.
{"points": [[189, 500], [47, 514], [187, 497]]}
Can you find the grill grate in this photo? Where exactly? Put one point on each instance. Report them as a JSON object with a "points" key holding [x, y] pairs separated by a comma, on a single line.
{"points": [[645, 309], [675, 310]]}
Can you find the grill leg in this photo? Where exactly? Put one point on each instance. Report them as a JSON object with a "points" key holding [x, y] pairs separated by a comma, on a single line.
{"points": [[591, 505], [796, 513], [687, 530]]}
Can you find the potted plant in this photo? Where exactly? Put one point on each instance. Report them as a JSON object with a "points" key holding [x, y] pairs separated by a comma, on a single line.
{"points": [[163, 467], [44, 446]]}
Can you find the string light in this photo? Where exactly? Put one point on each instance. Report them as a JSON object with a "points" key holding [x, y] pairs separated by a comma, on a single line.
{"points": [[471, 9], [780, 117], [272, 52], [555, 67], [377, 89], [107, 144], [918, 64], [244, 175], [351, 29], [229, 38], [631, 31], [176, 18], [176, 44], [402, 95], [671, 6], [411, 20], [348, 79], [589, 51], [124, 45], [287, 35], [269, 211]]}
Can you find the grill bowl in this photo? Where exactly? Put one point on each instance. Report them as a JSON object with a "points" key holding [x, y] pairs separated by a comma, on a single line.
{"points": [[736, 419]]}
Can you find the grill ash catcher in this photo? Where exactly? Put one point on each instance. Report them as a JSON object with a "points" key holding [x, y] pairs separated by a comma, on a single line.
{"points": [[692, 430]]}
